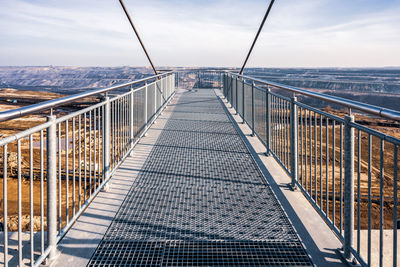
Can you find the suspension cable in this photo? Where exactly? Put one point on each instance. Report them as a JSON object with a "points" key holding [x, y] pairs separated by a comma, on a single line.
{"points": [[258, 33], [137, 35]]}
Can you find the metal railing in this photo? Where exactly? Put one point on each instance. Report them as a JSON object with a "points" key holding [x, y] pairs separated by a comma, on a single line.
{"points": [[54, 170], [199, 78], [348, 172]]}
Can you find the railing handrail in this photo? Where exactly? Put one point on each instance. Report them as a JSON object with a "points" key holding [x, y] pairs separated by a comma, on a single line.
{"points": [[371, 109], [27, 110]]}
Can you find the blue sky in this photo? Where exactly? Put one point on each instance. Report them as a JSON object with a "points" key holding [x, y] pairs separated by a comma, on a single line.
{"points": [[298, 33]]}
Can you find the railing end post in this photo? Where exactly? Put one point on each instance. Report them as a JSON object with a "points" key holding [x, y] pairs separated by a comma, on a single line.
{"points": [[348, 185], [51, 189], [131, 118], [294, 154], [253, 126], [107, 140], [268, 120]]}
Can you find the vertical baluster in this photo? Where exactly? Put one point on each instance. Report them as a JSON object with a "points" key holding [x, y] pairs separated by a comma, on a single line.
{"points": [[155, 99], [301, 146], [381, 201], [113, 134], [236, 96], [395, 201], [80, 161], [283, 133], [66, 173], [333, 171], [348, 186], [243, 102], [268, 118], [59, 178], [117, 132], [315, 156], [341, 176], [19, 204], [41, 193], [310, 147], [73, 166], [107, 141], [5, 207], [369, 195], [99, 131], [320, 162], [277, 127], [131, 115], [127, 131], [90, 153], [294, 141], [327, 166], [84, 157], [120, 125], [280, 131], [94, 149], [306, 149], [253, 128], [273, 121], [32, 241], [358, 187]]}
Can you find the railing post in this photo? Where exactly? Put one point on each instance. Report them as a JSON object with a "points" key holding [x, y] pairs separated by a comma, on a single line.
{"points": [[236, 98], [167, 88], [243, 102], [223, 85], [348, 185], [145, 119], [107, 140], [155, 97], [171, 89], [268, 119], [294, 155], [231, 91], [52, 188], [226, 86], [163, 89], [198, 79], [253, 129], [131, 116]]}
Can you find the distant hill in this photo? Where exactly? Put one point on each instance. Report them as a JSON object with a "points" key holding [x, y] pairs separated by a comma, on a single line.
{"points": [[67, 80], [355, 80]]}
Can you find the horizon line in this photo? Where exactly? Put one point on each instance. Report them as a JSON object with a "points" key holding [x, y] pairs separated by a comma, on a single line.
{"points": [[203, 67]]}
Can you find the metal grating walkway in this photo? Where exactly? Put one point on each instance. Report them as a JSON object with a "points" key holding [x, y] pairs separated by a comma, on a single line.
{"points": [[200, 200]]}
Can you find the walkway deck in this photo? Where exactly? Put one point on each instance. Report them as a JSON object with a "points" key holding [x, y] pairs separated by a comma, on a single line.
{"points": [[200, 200]]}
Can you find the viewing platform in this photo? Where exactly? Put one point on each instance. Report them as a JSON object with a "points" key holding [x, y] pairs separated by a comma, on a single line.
{"points": [[223, 172], [198, 199]]}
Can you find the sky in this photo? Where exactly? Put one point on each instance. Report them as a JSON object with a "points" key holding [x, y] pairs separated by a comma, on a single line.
{"points": [[200, 33]]}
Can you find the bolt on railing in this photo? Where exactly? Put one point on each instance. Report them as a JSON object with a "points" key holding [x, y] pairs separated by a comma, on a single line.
{"points": [[317, 149]]}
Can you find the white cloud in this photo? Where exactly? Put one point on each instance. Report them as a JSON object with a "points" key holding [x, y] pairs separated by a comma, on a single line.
{"points": [[187, 33]]}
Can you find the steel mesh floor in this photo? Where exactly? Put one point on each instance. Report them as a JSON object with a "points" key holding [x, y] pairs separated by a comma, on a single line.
{"points": [[200, 201]]}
